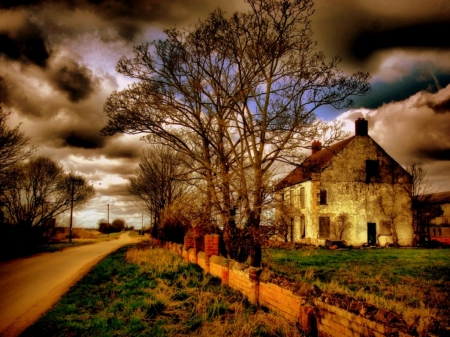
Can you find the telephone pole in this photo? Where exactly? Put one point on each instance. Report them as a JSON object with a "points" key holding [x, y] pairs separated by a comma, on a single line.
{"points": [[108, 221], [71, 210]]}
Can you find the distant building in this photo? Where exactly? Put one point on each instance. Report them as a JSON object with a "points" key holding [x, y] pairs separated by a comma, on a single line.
{"points": [[352, 190], [440, 226]]}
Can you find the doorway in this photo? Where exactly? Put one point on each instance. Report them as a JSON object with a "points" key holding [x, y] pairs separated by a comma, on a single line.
{"points": [[371, 233]]}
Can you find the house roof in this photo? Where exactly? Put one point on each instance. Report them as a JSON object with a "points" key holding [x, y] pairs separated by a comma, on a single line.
{"points": [[313, 164], [440, 198]]}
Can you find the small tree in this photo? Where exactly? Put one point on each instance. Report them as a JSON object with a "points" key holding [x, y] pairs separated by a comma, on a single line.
{"points": [[104, 226], [119, 224], [341, 225], [159, 180], [424, 209], [283, 222]]}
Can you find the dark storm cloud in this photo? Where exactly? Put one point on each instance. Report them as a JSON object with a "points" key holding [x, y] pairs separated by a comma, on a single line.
{"points": [[434, 154], [26, 44], [356, 30], [75, 80], [418, 36], [6, 4], [440, 107], [4, 94], [119, 147], [83, 139], [128, 18], [420, 78]]}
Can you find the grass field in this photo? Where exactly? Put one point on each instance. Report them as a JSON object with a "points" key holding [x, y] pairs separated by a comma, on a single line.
{"points": [[143, 291], [413, 282]]}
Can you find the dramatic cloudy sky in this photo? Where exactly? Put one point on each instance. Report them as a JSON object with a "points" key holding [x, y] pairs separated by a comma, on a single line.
{"points": [[57, 62]]}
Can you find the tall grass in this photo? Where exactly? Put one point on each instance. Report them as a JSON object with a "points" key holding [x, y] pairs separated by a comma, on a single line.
{"points": [[146, 291]]}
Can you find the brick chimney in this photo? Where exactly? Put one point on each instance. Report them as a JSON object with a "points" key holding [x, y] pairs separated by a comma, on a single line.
{"points": [[316, 146], [361, 127]]}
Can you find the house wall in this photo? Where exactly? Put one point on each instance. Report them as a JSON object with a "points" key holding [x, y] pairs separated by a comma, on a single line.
{"points": [[445, 218], [440, 226], [305, 211], [384, 201]]}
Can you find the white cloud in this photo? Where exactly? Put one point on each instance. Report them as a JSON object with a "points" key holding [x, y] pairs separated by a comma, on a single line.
{"points": [[412, 132]]}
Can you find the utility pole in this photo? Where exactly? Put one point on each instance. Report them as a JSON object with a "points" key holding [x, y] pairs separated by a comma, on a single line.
{"points": [[108, 221], [71, 210]]}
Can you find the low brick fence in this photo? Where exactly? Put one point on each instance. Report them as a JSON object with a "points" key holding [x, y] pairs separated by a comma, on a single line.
{"points": [[315, 312]]}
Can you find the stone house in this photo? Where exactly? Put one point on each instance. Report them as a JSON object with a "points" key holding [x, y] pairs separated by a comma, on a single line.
{"points": [[440, 225], [352, 190]]}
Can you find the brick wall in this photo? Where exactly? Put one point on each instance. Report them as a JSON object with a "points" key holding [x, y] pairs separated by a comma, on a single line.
{"points": [[201, 260], [216, 264], [316, 312]]}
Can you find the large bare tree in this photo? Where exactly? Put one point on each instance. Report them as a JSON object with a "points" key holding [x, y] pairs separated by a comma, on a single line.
{"points": [[236, 94]]}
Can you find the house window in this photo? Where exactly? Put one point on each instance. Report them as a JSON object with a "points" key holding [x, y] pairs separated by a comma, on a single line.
{"points": [[291, 197], [439, 232], [445, 221], [302, 197], [282, 196], [302, 226], [322, 197], [434, 231], [292, 229], [372, 170], [324, 227]]}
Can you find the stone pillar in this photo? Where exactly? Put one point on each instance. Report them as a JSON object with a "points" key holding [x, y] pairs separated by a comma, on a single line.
{"points": [[253, 275], [308, 320], [188, 244], [225, 272], [211, 248], [198, 243]]}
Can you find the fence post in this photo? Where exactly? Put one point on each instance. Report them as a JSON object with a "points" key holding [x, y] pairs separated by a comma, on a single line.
{"points": [[188, 244], [225, 272], [211, 248], [253, 275]]}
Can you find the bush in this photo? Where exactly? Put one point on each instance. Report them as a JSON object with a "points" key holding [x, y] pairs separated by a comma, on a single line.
{"points": [[105, 228]]}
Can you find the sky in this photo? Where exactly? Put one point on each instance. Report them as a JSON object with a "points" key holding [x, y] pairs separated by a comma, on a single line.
{"points": [[57, 67]]}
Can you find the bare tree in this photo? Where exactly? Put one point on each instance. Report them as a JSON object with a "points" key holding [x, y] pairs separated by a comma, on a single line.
{"points": [[236, 95], [37, 192], [13, 143], [13, 147], [422, 205], [159, 180], [341, 224]]}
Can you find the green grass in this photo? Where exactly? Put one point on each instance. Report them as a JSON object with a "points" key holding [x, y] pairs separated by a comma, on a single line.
{"points": [[143, 291], [413, 282]]}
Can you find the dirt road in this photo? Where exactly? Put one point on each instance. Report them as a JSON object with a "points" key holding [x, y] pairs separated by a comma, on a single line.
{"points": [[30, 286]]}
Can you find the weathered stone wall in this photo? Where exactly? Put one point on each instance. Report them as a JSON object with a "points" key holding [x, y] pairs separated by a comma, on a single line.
{"points": [[316, 312]]}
